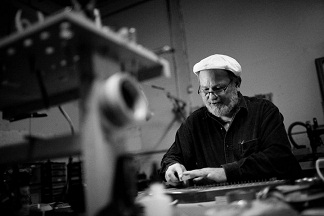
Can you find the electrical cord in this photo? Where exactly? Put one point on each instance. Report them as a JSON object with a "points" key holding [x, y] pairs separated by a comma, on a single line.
{"points": [[317, 166], [68, 119]]}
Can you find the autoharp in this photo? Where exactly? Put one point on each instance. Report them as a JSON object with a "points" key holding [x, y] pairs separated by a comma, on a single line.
{"points": [[206, 193]]}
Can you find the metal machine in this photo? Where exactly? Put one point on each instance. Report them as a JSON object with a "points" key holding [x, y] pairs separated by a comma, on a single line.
{"points": [[314, 131], [68, 56]]}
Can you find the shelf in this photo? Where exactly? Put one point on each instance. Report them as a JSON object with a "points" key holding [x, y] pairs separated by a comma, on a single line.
{"points": [[41, 149], [42, 66]]}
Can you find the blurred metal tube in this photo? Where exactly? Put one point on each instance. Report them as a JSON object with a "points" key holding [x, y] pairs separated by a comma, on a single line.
{"points": [[122, 102]]}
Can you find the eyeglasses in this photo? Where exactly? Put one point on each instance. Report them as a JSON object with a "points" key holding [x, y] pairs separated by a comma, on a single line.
{"points": [[216, 90]]}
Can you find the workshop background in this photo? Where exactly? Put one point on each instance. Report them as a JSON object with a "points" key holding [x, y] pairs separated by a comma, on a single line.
{"points": [[276, 42]]}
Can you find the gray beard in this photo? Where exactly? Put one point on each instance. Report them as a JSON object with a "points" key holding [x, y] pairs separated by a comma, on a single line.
{"points": [[222, 110]]}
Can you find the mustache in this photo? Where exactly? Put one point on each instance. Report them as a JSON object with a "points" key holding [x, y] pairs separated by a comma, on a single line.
{"points": [[220, 109]]}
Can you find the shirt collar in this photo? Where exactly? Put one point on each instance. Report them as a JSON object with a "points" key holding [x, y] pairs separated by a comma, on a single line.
{"points": [[242, 102]]}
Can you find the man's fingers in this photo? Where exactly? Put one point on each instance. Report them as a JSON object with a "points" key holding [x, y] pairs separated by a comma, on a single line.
{"points": [[214, 174], [195, 173], [179, 172], [174, 173], [172, 183], [186, 177], [198, 178], [172, 177]]}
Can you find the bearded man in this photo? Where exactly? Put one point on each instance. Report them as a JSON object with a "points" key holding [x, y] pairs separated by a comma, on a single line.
{"points": [[233, 137]]}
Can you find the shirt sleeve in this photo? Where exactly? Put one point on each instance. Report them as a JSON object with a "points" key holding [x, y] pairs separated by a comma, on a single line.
{"points": [[179, 152]]}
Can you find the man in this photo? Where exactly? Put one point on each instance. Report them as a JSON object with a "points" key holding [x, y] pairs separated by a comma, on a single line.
{"points": [[234, 137]]}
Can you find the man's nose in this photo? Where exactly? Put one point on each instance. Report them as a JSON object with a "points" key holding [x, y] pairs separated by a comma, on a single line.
{"points": [[212, 95]]}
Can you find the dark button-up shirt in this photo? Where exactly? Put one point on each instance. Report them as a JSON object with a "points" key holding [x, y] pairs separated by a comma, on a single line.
{"points": [[255, 146]]}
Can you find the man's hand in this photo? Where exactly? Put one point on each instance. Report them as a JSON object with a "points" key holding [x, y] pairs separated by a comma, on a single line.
{"points": [[215, 174], [173, 175]]}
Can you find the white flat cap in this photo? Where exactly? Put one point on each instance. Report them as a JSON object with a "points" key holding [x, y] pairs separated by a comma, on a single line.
{"points": [[218, 61]]}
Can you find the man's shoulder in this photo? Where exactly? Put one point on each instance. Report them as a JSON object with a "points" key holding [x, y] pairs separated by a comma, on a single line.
{"points": [[199, 113], [252, 103], [257, 101]]}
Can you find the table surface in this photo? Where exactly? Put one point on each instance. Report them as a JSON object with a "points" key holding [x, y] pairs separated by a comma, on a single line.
{"points": [[198, 209]]}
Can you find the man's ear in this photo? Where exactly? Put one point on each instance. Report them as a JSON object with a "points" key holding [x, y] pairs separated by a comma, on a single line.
{"points": [[238, 83]]}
